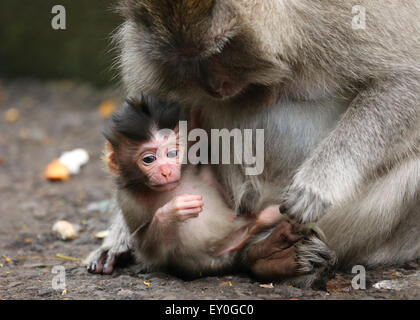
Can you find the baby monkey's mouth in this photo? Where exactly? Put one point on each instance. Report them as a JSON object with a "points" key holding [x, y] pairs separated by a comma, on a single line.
{"points": [[165, 186]]}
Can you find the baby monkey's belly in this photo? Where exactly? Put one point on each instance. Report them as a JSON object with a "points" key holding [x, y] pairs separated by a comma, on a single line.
{"points": [[222, 249]]}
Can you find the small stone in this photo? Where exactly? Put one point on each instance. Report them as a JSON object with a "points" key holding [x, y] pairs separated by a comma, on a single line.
{"points": [[101, 234], [12, 115], [65, 230]]}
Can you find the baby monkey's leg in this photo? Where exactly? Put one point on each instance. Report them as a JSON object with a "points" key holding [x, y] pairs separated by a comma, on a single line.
{"points": [[239, 239], [275, 250], [116, 245]]}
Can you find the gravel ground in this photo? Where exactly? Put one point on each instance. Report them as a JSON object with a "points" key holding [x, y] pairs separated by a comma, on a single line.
{"points": [[61, 116]]}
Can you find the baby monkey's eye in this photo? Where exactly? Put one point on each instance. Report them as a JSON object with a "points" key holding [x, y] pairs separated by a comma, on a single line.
{"points": [[149, 159], [172, 153]]}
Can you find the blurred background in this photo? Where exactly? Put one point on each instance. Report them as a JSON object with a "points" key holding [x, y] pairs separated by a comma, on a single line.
{"points": [[57, 91], [30, 47]]}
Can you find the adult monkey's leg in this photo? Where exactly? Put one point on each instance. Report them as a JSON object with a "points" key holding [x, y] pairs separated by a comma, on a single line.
{"points": [[383, 225]]}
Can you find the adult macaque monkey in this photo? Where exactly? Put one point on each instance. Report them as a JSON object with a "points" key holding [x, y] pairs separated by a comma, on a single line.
{"points": [[340, 107], [176, 215]]}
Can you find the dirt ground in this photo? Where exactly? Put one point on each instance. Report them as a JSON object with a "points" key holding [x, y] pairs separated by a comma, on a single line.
{"points": [[55, 117]]}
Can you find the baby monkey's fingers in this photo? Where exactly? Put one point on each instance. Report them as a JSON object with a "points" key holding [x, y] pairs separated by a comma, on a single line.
{"points": [[186, 214], [189, 205], [187, 202]]}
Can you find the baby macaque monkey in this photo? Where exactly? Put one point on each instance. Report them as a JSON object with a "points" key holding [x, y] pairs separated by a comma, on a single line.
{"points": [[177, 216]]}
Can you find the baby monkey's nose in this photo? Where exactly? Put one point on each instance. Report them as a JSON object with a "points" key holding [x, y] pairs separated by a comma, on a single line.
{"points": [[166, 170]]}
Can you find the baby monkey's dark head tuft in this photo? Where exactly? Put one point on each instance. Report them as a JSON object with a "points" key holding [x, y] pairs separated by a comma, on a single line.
{"points": [[139, 117]]}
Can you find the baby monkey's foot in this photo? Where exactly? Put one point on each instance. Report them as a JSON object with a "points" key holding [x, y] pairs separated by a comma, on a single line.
{"points": [[103, 261], [290, 250]]}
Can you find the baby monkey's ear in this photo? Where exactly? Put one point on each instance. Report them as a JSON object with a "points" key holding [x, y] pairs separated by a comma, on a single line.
{"points": [[109, 159]]}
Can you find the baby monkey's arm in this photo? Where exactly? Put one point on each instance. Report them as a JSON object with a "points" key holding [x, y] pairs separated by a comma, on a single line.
{"points": [[167, 218], [179, 209]]}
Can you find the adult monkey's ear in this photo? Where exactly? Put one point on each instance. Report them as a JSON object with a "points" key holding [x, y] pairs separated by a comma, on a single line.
{"points": [[109, 159]]}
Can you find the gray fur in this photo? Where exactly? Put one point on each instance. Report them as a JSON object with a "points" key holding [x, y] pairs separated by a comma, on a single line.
{"points": [[342, 140]]}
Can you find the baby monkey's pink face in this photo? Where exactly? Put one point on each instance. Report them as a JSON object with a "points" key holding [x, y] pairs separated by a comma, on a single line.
{"points": [[159, 159]]}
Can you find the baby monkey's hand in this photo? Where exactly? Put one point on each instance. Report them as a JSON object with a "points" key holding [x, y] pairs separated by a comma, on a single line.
{"points": [[180, 209]]}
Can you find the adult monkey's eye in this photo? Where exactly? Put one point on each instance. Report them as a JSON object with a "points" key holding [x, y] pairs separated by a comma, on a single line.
{"points": [[172, 153], [149, 159]]}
